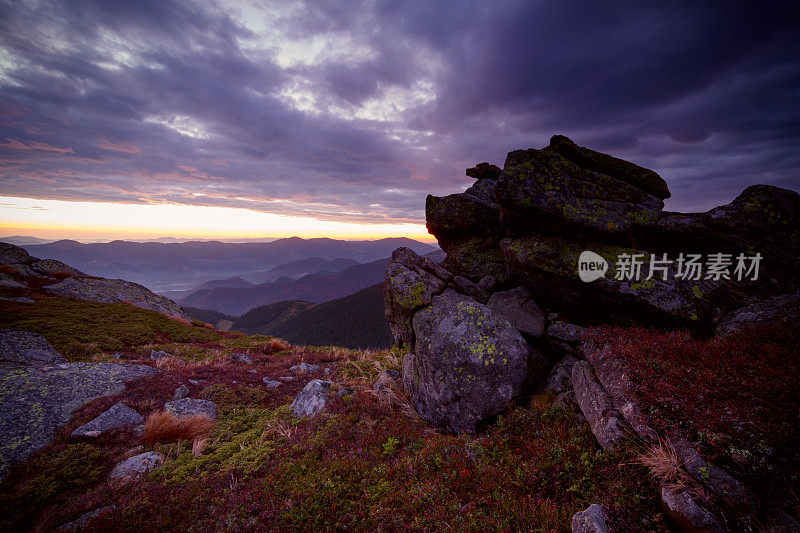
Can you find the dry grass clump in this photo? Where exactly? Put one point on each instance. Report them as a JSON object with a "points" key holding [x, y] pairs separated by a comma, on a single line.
{"points": [[163, 427], [662, 461], [277, 345]]}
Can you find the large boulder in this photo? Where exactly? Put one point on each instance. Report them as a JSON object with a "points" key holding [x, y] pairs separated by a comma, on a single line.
{"points": [[191, 407], [116, 290], [467, 363], [781, 310]]}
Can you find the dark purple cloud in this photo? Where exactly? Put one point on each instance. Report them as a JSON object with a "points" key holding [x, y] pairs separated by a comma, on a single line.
{"points": [[356, 110]]}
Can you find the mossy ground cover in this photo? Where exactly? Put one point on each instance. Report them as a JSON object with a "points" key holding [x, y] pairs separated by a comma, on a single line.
{"points": [[365, 463], [738, 397]]}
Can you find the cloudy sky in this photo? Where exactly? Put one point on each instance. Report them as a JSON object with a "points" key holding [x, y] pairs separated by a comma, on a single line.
{"points": [[320, 117]]}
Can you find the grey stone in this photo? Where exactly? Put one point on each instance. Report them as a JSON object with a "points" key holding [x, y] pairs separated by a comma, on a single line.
{"points": [[566, 332], [590, 520], [48, 267], [27, 348], [385, 381], [18, 299], [119, 415], [181, 392], [11, 254], [83, 520], [192, 407], [465, 286], [287, 379], [36, 402], [137, 466], [687, 514], [467, 363], [517, 306], [719, 482], [155, 355], [312, 399], [560, 377], [305, 368], [271, 384], [242, 358]]}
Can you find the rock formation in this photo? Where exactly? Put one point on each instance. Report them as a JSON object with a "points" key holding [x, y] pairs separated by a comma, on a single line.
{"points": [[483, 325], [61, 279]]}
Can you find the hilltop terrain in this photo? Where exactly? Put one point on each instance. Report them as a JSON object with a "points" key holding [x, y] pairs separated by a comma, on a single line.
{"points": [[517, 396]]}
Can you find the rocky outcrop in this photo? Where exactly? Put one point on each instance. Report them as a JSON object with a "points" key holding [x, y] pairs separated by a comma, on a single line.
{"points": [[137, 466], [63, 280], [781, 310], [35, 401], [529, 226], [116, 290], [687, 514], [192, 407]]}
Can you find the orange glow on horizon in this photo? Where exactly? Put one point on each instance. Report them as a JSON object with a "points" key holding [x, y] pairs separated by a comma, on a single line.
{"points": [[59, 219]]}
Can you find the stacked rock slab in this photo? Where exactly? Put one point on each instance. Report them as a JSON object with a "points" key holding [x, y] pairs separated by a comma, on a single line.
{"points": [[529, 224]]}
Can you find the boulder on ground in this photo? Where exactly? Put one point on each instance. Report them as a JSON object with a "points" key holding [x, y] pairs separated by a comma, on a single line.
{"points": [[11, 254], [467, 363], [119, 415], [27, 348], [137, 466], [271, 384], [606, 422], [192, 407], [181, 392], [686, 513], [313, 398], [484, 171]]}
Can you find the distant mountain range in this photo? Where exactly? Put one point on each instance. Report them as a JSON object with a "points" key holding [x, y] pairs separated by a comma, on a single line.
{"points": [[24, 240], [169, 266], [314, 288]]}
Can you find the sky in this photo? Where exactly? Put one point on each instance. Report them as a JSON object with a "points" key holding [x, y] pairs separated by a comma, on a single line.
{"points": [[265, 119]]}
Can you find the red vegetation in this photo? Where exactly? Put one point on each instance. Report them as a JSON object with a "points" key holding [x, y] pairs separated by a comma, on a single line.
{"points": [[737, 397], [9, 270]]}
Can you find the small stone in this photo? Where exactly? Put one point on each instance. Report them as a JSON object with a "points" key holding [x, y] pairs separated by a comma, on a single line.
{"points": [[312, 399], [155, 355], [565, 331], [137, 466], [192, 407], [306, 368], [242, 358], [120, 415], [271, 384], [11, 284], [254, 371], [287, 378], [591, 520], [196, 382], [181, 392]]}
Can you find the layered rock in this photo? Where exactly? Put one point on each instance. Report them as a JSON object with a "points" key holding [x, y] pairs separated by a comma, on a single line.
{"points": [[529, 225]]}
